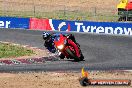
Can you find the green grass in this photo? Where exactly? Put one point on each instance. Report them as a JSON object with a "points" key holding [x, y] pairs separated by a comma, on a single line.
{"points": [[10, 51]]}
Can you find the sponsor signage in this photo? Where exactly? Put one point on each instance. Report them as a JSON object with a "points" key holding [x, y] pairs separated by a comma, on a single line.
{"points": [[92, 27], [39, 24], [115, 28], [13, 22]]}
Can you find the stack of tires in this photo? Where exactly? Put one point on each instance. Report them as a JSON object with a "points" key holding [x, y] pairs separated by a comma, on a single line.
{"points": [[125, 10]]}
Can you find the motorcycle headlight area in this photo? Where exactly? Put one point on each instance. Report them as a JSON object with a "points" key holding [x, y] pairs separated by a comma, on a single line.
{"points": [[60, 47]]}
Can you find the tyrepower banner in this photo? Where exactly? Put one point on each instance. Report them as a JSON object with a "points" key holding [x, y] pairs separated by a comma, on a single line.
{"points": [[13, 22], [65, 25], [39, 24], [92, 27]]}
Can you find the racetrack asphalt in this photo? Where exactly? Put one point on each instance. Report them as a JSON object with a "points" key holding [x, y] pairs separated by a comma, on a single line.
{"points": [[101, 52]]}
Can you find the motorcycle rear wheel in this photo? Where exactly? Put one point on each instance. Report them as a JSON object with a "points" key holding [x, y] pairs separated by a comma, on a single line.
{"points": [[82, 57]]}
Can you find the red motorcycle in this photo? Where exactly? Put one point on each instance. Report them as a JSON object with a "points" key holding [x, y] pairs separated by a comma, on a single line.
{"points": [[68, 48]]}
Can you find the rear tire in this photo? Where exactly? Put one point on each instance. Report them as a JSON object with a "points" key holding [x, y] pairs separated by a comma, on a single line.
{"points": [[81, 57]]}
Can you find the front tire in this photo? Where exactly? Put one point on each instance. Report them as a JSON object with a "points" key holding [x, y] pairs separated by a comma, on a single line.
{"points": [[61, 56], [72, 55]]}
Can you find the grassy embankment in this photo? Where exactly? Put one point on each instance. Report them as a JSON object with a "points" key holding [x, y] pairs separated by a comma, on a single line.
{"points": [[95, 10], [64, 15], [12, 51]]}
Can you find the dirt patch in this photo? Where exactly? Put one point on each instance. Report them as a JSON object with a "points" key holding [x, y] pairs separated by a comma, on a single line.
{"points": [[92, 10], [86, 3], [57, 79], [47, 5]]}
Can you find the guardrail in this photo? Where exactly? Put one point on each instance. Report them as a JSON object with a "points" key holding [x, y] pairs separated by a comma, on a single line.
{"points": [[115, 28]]}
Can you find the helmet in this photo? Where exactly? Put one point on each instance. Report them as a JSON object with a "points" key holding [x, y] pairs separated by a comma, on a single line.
{"points": [[45, 35]]}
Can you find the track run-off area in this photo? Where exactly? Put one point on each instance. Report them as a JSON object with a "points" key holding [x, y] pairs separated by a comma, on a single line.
{"points": [[101, 52]]}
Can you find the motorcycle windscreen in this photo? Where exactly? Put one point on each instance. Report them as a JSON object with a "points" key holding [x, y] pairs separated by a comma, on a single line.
{"points": [[59, 40]]}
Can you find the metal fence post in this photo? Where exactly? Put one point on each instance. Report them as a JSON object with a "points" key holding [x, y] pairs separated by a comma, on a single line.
{"points": [[34, 10], [127, 16], [95, 12], [64, 10], [4, 8]]}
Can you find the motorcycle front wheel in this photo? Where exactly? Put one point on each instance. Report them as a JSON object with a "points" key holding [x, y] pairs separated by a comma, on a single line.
{"points": [[72, 54]]}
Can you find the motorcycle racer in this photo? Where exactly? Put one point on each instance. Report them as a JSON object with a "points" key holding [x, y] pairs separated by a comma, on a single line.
{"points": [[49, 41]]}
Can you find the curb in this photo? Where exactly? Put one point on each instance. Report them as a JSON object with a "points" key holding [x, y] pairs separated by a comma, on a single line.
{"points": [[28, 61]]}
